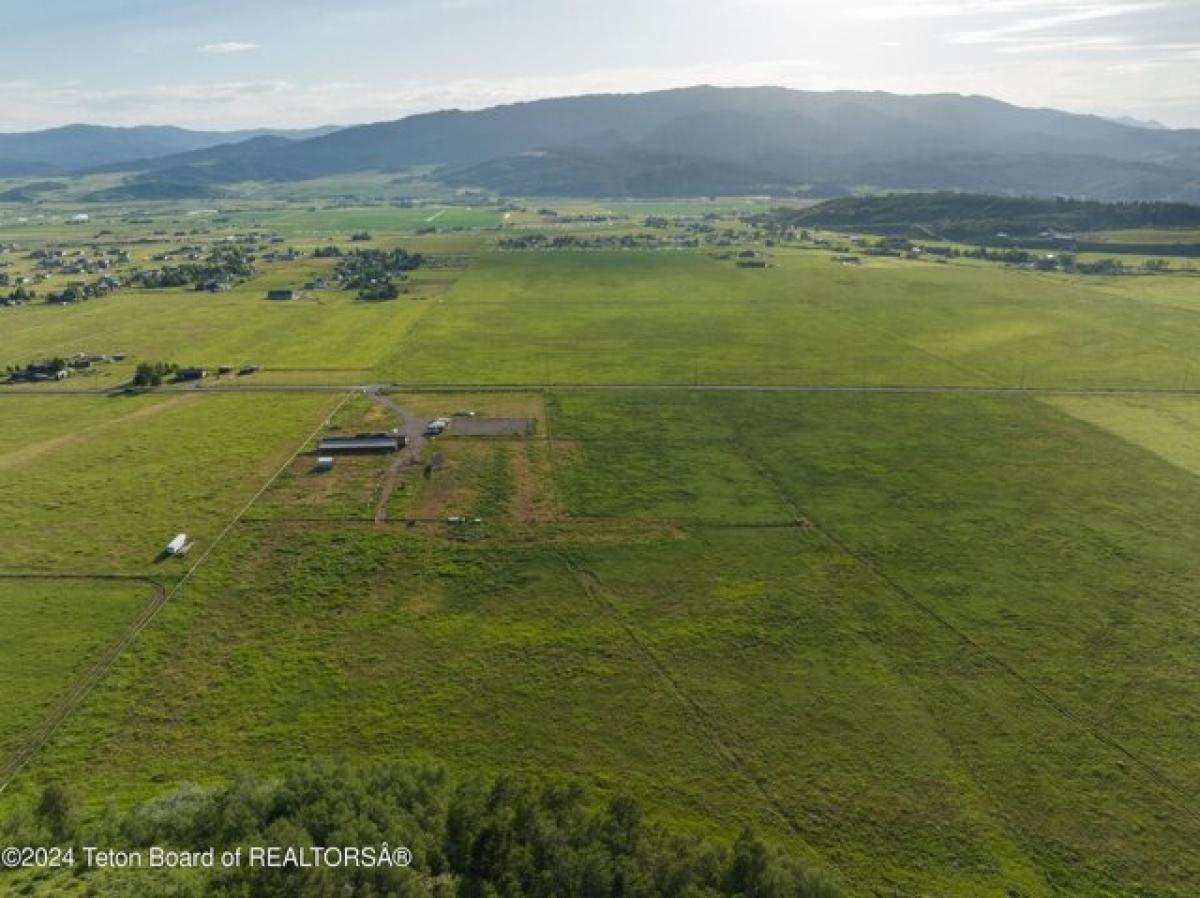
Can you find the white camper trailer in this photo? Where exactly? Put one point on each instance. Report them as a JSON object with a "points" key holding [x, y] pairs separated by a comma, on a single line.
{"points": [[177, 545]]}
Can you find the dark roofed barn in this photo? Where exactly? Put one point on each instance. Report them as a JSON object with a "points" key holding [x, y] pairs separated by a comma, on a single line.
{"points": [[362, 444]]}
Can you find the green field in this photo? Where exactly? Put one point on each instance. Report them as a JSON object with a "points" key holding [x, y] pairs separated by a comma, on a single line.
{"points": [[939, 681], [684, 318], [107, 496], [323, 330], [1148, 235], [937, 642], [52, 630]]}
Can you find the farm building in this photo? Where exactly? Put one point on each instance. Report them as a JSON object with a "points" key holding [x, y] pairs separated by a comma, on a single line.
{"points": [[362, 443], [282, 294], [178, 546], [191, 374]]}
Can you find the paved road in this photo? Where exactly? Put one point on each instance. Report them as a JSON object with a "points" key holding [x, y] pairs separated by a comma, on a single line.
{"points": [[379, 389]]}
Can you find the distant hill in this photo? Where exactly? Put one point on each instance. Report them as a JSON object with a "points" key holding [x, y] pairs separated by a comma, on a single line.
{"points": [[1034, 174], [740, 138], [622, 172], [28, 193], [1139, 123], [973, 218], [75, 148]]}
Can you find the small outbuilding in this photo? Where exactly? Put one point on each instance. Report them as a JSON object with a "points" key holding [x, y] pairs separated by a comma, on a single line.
{"points": [[281, 294]]}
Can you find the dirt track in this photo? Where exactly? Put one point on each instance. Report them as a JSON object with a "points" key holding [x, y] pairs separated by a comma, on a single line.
{"points": [[413, 429]]}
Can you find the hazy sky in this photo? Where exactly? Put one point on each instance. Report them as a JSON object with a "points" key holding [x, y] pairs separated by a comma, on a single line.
{"points": [[238, 63]]}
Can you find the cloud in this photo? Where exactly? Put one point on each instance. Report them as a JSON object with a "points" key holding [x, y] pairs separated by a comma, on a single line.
{"points": [[1074, 14], [226, 47], [1076, 10]]}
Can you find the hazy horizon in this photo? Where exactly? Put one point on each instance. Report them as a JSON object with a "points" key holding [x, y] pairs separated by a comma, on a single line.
{"points": [[214, 65], [1130, 119]]}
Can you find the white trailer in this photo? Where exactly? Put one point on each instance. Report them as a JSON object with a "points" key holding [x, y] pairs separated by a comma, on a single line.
{"points": [[177, 545]]}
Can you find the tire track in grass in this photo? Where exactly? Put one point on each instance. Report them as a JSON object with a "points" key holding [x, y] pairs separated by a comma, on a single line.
{"points": [[83, 687], [1167, 789], [63, 707], [589, 583]]}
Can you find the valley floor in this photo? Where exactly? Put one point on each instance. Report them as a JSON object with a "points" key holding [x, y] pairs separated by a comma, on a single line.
{"points": [[917, 599]]}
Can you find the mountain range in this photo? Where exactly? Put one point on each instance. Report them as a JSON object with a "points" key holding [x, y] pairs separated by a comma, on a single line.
{"points": [[75, 148], [707, 140]]}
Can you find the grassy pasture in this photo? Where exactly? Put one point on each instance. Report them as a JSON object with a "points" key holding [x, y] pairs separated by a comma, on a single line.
{"points": [[1170, 428], [106, 497], [938, 645], [52, 629], [300, 223], [612, 317], [327, 329], [940, 682], [1148, 235]]}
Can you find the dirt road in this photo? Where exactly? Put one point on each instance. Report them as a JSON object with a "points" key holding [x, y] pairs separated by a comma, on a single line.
{"points": [[411, 455]]}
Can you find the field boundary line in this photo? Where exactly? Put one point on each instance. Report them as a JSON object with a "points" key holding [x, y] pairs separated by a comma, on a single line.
{"points": [[1169, 790], [83, 687], [62, 708], [589, 583], [108, 578]]}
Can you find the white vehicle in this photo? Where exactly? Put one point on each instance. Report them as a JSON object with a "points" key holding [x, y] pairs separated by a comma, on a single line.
{"points": [[177, 545]]}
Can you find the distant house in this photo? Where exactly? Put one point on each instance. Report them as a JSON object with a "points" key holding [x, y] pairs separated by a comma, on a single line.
{"points": [[81, 218], [281, 294], [41, 371], [191, 374]]}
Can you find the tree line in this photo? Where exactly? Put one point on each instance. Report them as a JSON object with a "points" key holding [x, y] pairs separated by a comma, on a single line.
{"points": [[500, 837]]}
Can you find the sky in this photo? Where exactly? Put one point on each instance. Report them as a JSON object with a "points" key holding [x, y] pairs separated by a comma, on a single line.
{"points": [[230, 64]]}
